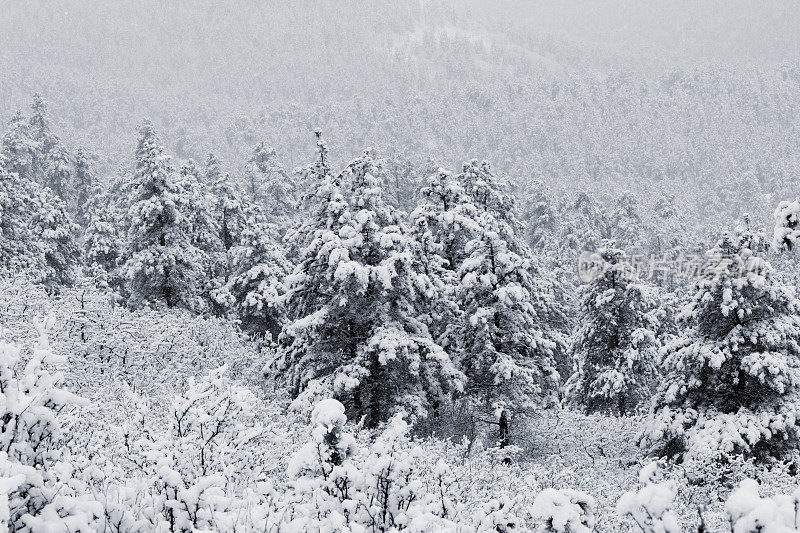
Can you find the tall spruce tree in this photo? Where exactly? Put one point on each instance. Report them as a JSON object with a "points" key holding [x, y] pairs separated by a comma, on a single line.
{"points": [[271, 187], [20, 150], [441, 225], [255, 285], [504, 350], [507, 347], [197, 204], [353, 328], [107, 222], [162, 265], [615, 350], [104, 237], [84, 183], [37, 236], [733, 382], [227, 206], [58, 173], [52, 164]]}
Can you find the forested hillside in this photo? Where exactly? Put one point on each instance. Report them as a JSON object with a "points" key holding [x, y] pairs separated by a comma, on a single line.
{"points": [[399, 266], [581, 98]]}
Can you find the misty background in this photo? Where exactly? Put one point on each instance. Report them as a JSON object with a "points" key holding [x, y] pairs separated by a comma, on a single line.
{"points": [[700, 99]]}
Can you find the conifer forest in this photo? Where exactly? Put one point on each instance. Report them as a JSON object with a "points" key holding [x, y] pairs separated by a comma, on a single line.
{"points": [[352, 266]]}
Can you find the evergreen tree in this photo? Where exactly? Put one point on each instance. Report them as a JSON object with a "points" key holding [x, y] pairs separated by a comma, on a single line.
{"points": [[668, 230], [37, 237], [440, 226], [40, 124], [105, 235], [161, 264], [258, 269], [57, 241], [445, 220], [553, 271], [733, 376], [786, 233], [353, 328], [84, 185], [488, 193], [506, 354], [197, 204], [540, 219], [624, 223], [52, 162], [310, 176], [57, 173], [615, 350], [250, 281], [496, 310], [19, 148], [401, 180], [506, 348], [227, 206], [34, 152], [583, 224], [16, 235], [271, 187], [40, 131], [43, 232], [213, 170]]}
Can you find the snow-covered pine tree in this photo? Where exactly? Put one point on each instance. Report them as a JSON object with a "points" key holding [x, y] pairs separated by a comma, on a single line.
{"points": [[584, 223], [56, 238], [198, 207], [310, 177], [507, 349], [615, 350], [52, 163], [504, 350], [17, 253], [57, 172], [37, 226], [84, 183], [539, 217], [258, 268], [162, 265], [668, 229], [38, 236], [489, 195], [106, 234], [104, 237], [440, 226], [733, 382], [553, 269], [271, 187], [45, 139], [227, 207], [354, 330], [624, 222], [40, 124], [667, 238], [402, 180], [213, 170], [786, 232], [19, 148], [445, 220]]}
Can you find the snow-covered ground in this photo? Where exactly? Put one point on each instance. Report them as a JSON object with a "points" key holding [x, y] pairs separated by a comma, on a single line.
{"points": [[178, 428]]}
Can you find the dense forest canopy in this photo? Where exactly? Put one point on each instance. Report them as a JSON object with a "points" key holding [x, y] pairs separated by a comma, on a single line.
{"points": [[698, 98]]}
